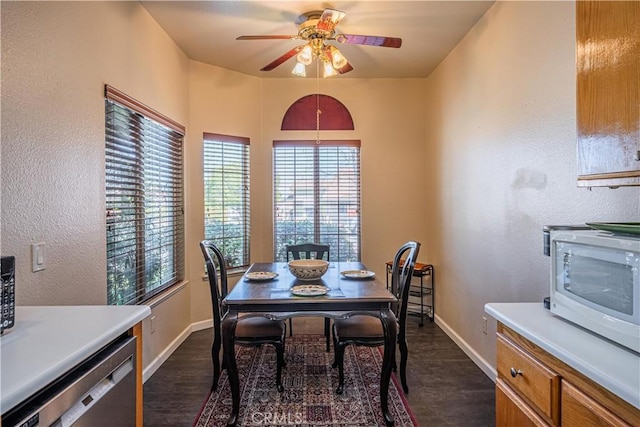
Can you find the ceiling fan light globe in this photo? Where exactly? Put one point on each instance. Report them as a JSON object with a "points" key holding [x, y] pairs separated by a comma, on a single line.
{"points": [[337, 58], [328, 70], [306, 55], [299, 70]]}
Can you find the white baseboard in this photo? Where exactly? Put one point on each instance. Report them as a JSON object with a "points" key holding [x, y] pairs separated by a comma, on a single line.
{"points": [[204, 324], [164, 355], [488, 370]]}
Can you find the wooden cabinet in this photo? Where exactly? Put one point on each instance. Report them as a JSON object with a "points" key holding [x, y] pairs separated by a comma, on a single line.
{"points": [[512, 410], [533, 381], [608, 92], [580, 410], [533, 388]]}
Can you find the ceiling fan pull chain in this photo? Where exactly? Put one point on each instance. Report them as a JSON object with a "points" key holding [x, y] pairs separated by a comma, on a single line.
{"points": [[318, 112]]}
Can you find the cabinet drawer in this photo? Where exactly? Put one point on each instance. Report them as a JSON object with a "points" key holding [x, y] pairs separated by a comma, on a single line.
{"points": [[579, 410], [511, 410], [531, 379]]}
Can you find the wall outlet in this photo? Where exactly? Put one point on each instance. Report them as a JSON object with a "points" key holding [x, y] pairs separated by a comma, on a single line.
{"points": [[484, 325], [153, 324]]}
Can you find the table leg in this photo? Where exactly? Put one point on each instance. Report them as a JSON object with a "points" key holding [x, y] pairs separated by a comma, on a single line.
{"points": [[389, 327], [228, 347]]}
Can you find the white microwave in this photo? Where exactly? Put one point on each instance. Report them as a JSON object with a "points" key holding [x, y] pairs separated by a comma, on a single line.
{"points": [[595, 283]]}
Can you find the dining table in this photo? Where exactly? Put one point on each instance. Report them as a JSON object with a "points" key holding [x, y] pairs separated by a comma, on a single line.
{"points": [[270, 295]]}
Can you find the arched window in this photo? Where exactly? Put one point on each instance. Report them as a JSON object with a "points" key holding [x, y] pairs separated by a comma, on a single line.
{"points": [[316, 184], [302, 114]]}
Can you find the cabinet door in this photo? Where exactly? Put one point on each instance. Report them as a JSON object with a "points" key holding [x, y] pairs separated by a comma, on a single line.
{"points": [[511, 410], [608, 92], [579, 410]]}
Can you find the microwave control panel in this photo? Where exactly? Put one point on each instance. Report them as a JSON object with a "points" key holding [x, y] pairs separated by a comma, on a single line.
{"points": [[7, 292]]}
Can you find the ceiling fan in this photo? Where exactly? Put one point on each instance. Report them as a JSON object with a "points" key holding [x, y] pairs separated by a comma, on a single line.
{"points": [[317, 28]]}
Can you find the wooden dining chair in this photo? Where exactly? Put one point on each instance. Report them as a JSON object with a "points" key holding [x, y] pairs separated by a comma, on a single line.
{"points": [[311, 251], [250, 331], [367, 330]]}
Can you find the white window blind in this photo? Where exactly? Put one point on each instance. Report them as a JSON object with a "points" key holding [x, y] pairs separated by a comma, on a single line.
{"points": [[317, 196], [226, 201], [144, 200]]}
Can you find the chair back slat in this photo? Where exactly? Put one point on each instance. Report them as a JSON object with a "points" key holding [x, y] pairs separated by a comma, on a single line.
{"points": [[308, 251]]}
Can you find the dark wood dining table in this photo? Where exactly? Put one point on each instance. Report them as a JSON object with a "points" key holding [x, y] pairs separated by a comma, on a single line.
{"points": [[273, 299]]}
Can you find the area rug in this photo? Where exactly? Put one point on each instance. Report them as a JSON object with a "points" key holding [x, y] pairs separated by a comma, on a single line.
{"points": [[309, 397]]}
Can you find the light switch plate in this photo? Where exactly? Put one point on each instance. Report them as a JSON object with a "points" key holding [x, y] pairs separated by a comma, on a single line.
{"points": [[38, 257]]}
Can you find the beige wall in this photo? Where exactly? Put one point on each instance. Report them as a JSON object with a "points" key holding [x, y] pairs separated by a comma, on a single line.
{"points": [[501, 156], [471, 161], [225, 102], [56, 58], [388, 120]]}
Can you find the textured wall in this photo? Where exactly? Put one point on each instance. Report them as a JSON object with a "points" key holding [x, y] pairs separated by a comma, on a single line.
{"points": [[388, 119], [501, 163], [56, 58], [220, 101], [392, 156], [498, 118]]}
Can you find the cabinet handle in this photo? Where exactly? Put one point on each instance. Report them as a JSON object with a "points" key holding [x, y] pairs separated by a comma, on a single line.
{"points": [[637, 156], [514, 372]]}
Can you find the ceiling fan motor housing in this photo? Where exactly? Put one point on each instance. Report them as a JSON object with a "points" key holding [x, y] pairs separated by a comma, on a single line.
{"points": [[308, 30]]}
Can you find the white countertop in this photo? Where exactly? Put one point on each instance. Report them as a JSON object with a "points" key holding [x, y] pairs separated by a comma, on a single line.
{"points": [[46, 342], [612, 366]]}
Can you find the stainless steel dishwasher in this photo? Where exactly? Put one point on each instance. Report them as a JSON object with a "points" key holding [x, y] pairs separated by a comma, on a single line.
{"points": [[99, 392]]}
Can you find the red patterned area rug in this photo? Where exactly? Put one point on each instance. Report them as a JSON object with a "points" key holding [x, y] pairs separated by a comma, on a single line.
{"points": [[309, 397]]}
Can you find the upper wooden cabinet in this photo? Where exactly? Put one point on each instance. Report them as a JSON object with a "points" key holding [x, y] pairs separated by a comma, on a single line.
{"points": [[608, 92]]}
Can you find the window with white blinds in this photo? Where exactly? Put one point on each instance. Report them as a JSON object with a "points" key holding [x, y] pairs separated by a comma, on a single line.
{"points": [[144, 200], [316, 196], [226, 196]]}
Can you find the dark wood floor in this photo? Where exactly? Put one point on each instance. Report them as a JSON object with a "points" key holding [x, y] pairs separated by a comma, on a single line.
{"points": [[445, 387]]}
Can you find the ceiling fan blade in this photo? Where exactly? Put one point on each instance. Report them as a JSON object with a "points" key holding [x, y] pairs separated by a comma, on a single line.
{"points": [[282, 59], [329, 20], [369, 40], [344, 69], [272, 37]]}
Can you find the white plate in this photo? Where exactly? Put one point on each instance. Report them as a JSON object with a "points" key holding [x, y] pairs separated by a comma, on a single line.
{"points": [[261, 275], [309, 290], [358, 274]]}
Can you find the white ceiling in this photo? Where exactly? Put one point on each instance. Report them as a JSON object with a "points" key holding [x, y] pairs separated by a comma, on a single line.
{"points": [[206, 31]]}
